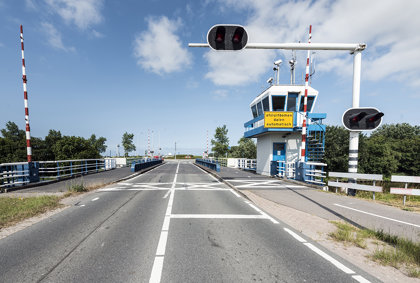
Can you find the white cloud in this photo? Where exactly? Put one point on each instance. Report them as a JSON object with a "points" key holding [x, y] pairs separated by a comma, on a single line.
{"points": [[97, 34], [30, 5], [83, 13], [159, 49], [54, 37], [390, 29]]}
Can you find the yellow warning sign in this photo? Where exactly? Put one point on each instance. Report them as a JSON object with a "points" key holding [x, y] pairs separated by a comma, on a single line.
{"points": [[278, 120]]}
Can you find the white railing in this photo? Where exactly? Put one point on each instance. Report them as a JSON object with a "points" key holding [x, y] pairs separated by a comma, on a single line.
{"points": [[353, 185], [286, 169], [317, 173], [405, 191]]}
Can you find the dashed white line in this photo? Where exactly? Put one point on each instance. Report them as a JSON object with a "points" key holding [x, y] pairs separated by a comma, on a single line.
{"points": [[376, 215], [262, 212], [95, 199]]}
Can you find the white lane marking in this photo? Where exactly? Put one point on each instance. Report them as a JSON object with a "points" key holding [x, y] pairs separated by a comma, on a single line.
{"points": [[208, 174], [235, 193], [157, 270], [218, 216], [360, 279], [167, 194], [82, 205], [262, 212], [95, 199], [296, 236], [376, 215], [156, 274], [131, 189], [200, 189], [335, 262], [162, 244]]}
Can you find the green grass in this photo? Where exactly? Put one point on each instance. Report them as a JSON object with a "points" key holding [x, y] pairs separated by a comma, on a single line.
{"points": [[13, 210], [399, 252], [347, 233], [78, 188]]}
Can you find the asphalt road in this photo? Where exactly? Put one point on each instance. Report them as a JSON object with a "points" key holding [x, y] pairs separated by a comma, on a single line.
{"points": [[175, 223], [329, 206]]}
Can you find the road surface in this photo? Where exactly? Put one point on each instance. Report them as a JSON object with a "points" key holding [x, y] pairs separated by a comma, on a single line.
{"points": [[175, 223]]}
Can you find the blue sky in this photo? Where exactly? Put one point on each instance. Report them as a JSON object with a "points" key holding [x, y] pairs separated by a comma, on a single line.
{"points": [[103, 67]]}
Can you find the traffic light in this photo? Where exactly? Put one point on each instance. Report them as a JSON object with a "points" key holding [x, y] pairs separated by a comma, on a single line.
{"points": [[362, 119], [227, 37]]}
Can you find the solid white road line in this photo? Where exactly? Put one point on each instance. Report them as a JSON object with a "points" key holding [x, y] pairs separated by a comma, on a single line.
{"points": [[235, 193], [156, 274], [335, 262], [376, 215], [296, 236], [360, 279], [262, 212], [207, 173], [218, 216]]}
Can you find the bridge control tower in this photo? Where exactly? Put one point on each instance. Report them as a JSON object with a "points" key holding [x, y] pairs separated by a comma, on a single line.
{"points": [[278, 114]]}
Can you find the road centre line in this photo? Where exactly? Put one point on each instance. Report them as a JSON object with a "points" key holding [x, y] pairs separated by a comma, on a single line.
{"points": [[161, 248], [376, 215]]}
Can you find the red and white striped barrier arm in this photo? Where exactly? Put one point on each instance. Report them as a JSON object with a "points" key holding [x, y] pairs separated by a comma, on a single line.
{"points": [[25, 94], [305, 101]]}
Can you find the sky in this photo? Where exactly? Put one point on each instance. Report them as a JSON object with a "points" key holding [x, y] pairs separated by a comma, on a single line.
{"points": [[108, 67]]}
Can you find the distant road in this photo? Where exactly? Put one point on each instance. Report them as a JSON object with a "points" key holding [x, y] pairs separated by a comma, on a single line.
{"points": [[175, 223]]}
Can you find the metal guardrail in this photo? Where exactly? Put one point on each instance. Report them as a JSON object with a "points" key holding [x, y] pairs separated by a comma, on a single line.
{"points": [[55, 170], [22, 173], [352, 177], [405, 191], [213, 165]]}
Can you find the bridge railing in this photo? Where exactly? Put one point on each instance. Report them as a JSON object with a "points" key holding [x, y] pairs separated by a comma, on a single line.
{"points": [[140, 164], [213, 165], [405, 191], [21, 173], [351, 183]]}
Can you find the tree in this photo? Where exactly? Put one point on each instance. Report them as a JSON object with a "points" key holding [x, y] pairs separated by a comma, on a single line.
{"points": [[74, 148], [220, 142], [127, 143], [246, 149], [336, 148], [13, 144], [98, 144]]}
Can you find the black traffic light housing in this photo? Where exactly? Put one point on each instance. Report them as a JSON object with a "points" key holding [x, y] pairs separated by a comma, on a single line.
{"points": [[362, 119], [227, 37]]}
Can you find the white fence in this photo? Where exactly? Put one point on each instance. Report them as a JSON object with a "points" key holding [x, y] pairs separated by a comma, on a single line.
{"points": [[353, 185], [405, 191]]}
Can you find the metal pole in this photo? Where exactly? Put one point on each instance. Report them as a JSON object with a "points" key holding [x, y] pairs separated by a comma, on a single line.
{"points": [[175, 150], [25, 94], [354, 136], [305, 101], [299, 46]]}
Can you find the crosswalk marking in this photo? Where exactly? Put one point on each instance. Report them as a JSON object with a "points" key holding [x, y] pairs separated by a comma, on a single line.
{"points": [[246, 183]]}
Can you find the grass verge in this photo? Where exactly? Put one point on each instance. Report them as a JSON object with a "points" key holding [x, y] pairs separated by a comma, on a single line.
{"points": [[13, 210], [394, 251]]}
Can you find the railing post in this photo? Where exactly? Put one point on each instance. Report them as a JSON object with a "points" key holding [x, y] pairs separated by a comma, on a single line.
{"points": [[404, 199], [71, 169], [96, 165], [86, 167], [58, 170]]}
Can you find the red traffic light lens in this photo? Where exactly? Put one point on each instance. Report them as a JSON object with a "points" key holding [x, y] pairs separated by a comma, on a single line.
{"points": [[219, 38]]}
